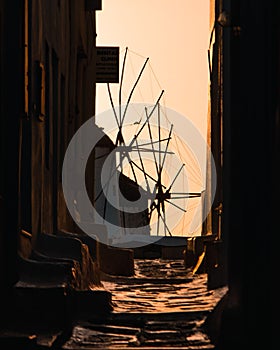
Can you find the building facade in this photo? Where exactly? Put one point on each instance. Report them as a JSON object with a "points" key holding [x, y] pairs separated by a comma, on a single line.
{"points": [[245, 89], [47, 88]]}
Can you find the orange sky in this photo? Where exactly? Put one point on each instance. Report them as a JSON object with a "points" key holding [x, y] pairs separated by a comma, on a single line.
{"points": [[175, 36]]}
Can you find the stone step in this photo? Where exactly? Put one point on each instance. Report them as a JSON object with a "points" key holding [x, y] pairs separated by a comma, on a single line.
{"points": [[113, 329], [90, 303], [149, 280], [45, 306], [41, 307], [128, 332]]}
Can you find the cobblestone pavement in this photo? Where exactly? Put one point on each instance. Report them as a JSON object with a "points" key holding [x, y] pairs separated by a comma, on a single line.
{"points": [[162, 306]]}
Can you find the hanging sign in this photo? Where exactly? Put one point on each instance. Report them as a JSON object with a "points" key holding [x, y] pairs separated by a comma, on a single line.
{"points": [[107, 64]]}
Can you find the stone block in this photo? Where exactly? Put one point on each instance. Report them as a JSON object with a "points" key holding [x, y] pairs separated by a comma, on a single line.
{"points": [[41, 307], [116, 261], [91, 303]]}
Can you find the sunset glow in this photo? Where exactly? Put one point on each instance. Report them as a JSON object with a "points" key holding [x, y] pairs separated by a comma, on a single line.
{"points": [[176, 46]]}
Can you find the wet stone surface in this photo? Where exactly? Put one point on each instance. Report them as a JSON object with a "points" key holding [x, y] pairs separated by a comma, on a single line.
{"points": [[162, 306]]}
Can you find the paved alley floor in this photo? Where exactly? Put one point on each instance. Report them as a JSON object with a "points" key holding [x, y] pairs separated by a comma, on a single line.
{"points": [[162, 306]]}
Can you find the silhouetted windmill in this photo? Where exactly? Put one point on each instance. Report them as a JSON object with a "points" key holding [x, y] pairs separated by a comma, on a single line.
{"points": [[157, 191]]}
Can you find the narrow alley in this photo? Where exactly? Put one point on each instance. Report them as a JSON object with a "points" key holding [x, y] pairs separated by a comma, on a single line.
{"points": [[139, 182]]}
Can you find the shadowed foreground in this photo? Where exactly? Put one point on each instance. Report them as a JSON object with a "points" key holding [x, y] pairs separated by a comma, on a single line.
{"points": [[161, 306]]}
